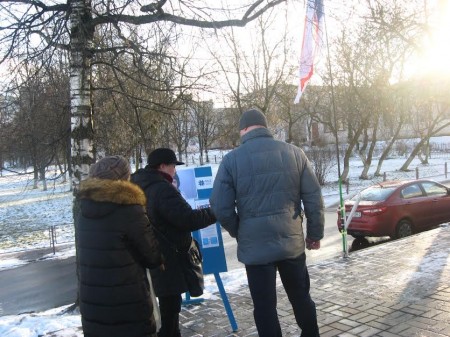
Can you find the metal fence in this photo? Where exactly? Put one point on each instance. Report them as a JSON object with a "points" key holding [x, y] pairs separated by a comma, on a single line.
{"points": [[437, 151], [53, 236], [423, 172], [196, 160]]}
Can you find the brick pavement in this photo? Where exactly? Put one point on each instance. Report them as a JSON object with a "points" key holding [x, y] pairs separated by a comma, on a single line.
{"points": [[400, 288]]}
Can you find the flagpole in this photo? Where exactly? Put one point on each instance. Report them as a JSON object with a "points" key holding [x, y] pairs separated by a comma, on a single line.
{"points": [[341, 199], [314, 22]]}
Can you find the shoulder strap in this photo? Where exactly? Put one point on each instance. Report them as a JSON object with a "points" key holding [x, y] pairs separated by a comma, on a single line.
{"points": [[161, 235]]}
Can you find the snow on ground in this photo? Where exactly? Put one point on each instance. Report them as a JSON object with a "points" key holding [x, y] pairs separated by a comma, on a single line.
{"points": [[63, 323], [26, 214], [39, 324], [11, 263]]}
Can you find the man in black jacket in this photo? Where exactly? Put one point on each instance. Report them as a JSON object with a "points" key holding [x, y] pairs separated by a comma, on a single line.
{"points": [[173, 220]]}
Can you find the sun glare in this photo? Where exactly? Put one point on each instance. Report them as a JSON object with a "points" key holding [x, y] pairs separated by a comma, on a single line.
{"points": [[435, 57]]}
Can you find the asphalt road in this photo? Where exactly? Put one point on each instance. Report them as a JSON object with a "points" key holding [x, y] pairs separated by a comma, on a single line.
{"points": [[47, 284], [38, 286]]}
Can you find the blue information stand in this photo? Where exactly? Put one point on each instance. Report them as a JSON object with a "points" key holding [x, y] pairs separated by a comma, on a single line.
{"points": [[196, 185]]}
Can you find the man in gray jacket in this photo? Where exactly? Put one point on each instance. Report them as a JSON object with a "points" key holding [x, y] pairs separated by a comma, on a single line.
{"points": [[260, 193]]}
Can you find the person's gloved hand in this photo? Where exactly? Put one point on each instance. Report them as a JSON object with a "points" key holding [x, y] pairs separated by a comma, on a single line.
{"points": [[311, 244]]}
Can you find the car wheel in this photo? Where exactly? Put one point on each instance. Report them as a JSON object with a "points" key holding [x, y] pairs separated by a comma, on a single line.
{"points": [[404, 229]]}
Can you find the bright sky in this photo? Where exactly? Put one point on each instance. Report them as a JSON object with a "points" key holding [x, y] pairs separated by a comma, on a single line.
{"points": [[435, 58]]}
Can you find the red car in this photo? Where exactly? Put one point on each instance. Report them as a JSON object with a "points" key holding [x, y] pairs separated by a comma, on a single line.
{"points": [[398, 208]]}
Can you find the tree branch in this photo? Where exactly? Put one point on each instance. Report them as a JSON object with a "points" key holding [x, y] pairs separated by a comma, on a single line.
{"points": [[161, 16]]}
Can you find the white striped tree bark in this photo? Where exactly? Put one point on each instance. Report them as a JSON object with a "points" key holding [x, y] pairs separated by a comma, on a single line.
{"points": [[81, 36]]}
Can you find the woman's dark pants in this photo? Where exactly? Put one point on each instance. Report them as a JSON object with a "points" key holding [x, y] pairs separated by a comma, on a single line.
{"points": [[170, 307]]}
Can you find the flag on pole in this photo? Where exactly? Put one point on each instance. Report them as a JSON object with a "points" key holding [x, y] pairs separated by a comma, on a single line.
{"points": [[312, 38]]}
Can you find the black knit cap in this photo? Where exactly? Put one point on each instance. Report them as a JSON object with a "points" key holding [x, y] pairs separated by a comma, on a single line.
{"points": [[111, 167], [162, 156], [252, 117]]}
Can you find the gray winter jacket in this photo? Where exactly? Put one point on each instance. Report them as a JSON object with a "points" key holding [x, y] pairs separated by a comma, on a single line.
{"points": [[258, 195]]}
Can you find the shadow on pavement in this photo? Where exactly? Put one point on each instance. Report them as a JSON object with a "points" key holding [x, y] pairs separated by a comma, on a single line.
{"points": [[366, 242]]}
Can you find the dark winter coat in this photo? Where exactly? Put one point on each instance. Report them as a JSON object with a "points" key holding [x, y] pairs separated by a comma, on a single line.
{"points": [[174, 220], [115, 245], [258, 194]]}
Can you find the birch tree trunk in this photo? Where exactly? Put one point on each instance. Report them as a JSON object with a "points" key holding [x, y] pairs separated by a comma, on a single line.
{"points": [[81, 122], [82, 154]]}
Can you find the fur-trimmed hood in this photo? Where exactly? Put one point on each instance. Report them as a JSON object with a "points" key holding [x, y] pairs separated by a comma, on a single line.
{"points": [[121, 192]]}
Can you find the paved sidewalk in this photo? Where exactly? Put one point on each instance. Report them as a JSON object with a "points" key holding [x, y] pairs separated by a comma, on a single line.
{"points": [[400, 288]]}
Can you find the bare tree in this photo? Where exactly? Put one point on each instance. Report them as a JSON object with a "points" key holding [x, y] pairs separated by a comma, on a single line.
{"points": [[7, 154], [294, 116], [40, 118], [181, 127], [323, 160], [228, 133], [206, 122], [430, 114], [134, 95], [351, 94], [255, 71], [32, 27], [397, 29], [394, 120], [367, 59]]}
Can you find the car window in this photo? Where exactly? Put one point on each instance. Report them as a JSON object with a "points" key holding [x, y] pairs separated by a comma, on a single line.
{"points": [[411, 191], [434, 189], [375, 193]]}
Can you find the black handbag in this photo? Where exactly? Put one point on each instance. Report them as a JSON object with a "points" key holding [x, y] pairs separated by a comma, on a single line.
{"points": [[191, 263]]}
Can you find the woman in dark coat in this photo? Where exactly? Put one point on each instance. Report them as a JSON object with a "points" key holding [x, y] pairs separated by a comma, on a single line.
{"points": [[174, 220], [115, 244]]}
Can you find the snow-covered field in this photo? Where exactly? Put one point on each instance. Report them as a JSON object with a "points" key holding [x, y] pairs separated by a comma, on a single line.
{"points": [[27, 214]]}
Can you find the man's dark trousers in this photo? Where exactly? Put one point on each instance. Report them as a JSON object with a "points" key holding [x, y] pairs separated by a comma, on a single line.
{"points": [[295, 278]]}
